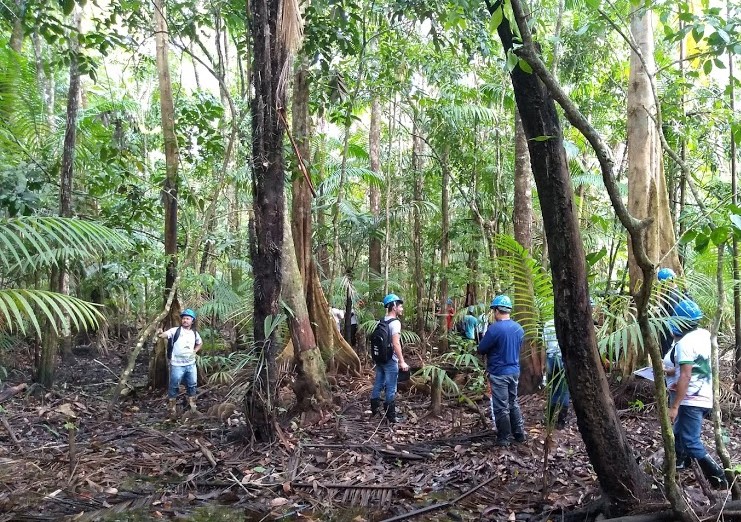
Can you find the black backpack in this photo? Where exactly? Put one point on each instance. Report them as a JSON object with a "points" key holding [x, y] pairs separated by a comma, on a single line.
{"points": [[172, 340], [382, 350]]}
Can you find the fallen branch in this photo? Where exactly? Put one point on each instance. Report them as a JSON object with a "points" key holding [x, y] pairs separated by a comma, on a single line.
{"points": [[13, 436], [138, 348], [13, 390], [435, 507], [206, 453]]}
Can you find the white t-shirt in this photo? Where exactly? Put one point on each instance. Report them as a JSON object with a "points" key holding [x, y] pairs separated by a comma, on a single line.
{"points": [[338, 316], [549, 338], [394, 329], [184, 349], [669, 363], [694, 349]]}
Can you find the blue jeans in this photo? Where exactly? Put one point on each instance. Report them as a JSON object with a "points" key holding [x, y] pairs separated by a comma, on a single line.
{"points": [[386, 377], [556, 378], [179, 373], [687, 429], [504, 401]]}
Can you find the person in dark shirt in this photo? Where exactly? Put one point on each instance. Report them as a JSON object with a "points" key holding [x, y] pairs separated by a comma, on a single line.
{"points": [[501, 345]]}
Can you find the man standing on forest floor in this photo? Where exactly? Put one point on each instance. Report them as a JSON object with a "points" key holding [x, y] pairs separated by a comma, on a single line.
{"points": [[501, 345], [182, 347], [387, 374]]}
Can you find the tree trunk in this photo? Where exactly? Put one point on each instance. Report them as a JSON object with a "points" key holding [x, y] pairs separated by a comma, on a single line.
{"points": [[167, 113], [419, 279], [311, 386], [444, 244], [16, 37], [269, 57], [532, 356], [734, 190], [374, 199], [158, 376], [621, 479], [647, 193]]}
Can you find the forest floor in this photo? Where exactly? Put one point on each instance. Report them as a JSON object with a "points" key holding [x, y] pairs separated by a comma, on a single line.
{"points": [[140, 465]]}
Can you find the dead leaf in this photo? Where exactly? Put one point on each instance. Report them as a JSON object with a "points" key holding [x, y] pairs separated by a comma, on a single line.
{"points": [[286, 487], [66, 409], [277, 502], [512, 517]]}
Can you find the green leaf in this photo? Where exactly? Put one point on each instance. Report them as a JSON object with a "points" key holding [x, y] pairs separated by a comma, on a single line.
{"points": [[594, 4], [688, 237], [719, 235], [68, 6], [525, 66], [707, 66], [701, 242], [512, 61], [496, 19], [542, 138], [594, 257]]}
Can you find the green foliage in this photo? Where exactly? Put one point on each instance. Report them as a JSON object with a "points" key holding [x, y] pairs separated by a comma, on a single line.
{"points": [[32, 243], [431, 373]]}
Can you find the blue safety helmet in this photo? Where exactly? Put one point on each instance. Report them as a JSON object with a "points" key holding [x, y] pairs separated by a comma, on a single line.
{"points": [[688, 315], [502, 302], [190, 313], [392, 298], [665, 273]]}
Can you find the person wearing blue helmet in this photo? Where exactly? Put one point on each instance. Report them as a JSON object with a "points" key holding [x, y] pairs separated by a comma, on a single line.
{"points": [[669, 295], [183, 345], [387, 373], [693, 390], [501, 345]]}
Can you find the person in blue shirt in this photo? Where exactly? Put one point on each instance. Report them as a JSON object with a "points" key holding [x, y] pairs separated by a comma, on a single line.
{"points": [[501, 345], [470, 325]]}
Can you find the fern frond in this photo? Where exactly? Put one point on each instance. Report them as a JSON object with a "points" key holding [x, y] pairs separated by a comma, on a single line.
{"points": [[17, 306]]}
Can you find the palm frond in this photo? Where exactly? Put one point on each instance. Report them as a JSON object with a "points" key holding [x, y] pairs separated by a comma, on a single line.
{"points": [[532, 293], [19, 306], [37, 240]]}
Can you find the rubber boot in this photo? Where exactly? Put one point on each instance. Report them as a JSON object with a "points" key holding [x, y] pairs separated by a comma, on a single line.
{"points": [[504, 430], [172, 408], [683, 462], [714, 473], [391, 416], [375, 406], [192, 403], [561, 422]]}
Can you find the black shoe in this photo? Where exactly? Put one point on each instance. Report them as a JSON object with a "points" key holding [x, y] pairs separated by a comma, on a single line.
{"points": [[714, 473], [520, 437], [562, 416], [375, 406], [683, 462], [502, 442]]}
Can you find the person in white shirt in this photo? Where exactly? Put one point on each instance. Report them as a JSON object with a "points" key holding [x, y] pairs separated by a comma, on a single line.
{"points": [[185, 345], [693, 390]]}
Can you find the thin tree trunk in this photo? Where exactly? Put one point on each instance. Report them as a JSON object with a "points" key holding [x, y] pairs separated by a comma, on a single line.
{"points": [[417, 242], [167, 113], [374, 200], [16, 37], [158, 377], [734, 190], [444, 244]]}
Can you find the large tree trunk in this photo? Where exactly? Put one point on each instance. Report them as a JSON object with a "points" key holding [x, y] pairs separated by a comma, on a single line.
{"points": [[268, 202], [311, 386], [419, 280], [647, 193], [16, 37], [532, 356], [158, 377], [621, 479], [374, 201]]}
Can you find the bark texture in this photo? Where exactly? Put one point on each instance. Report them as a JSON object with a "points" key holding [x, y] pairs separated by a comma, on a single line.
{"points": [[647, 192], [419, 279], [620, 477], [268, 202], [374, 200]]}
